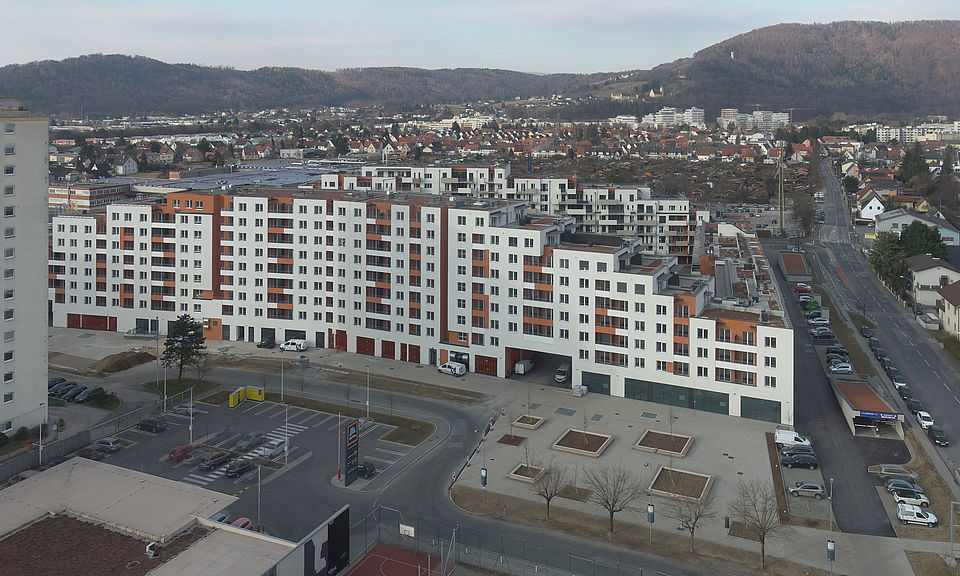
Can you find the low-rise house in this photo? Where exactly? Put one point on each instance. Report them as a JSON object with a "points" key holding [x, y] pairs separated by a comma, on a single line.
{"points": [[869, 205], [927, 276], [896, 220], [127, 167]]}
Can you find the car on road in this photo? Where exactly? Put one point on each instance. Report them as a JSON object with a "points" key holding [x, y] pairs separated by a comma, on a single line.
{"points": [[366, 470], [92, 452], [801, 461], [808, 488], [937, 435], [914, 405], [802, 288], [818, 322], [155, 425], [222, 516], [271, 449], [910, 514], [267, 343], [250, 441], [178, 453], [54, 381], [866, 332], [837, 349], [69, 396], [797, 449], [924, 419], [212, 460], [900, 484], [88, 394], [108, 444], [452, 368], [239, 467], [910, 497], [906, 392], [842, 368]]}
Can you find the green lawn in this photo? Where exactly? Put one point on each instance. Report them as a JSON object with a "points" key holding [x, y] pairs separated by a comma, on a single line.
{"points": [[108, 402]]}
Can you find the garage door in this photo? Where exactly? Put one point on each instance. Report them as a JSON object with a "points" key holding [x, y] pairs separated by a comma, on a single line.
{"points": [[486, 365], [388, 349], [366, 345]]}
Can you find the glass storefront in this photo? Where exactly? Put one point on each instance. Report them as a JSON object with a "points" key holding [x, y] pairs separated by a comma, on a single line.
{"points": [[705, 400], [757, 409], [596, 383]]}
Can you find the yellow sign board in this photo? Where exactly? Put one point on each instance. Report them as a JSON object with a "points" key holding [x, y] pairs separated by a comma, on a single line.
{"points": [[255, 393], [870, 236]]}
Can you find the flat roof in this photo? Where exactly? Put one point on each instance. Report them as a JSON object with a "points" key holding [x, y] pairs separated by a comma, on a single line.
{"points": [[794, 264], [861, 397], [140, 504], [227, 551]]}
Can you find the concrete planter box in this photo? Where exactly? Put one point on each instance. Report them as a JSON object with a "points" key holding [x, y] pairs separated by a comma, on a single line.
{"points": [[681, 484], [656, 442], [580, 442], [528, 474], [529, 422]]}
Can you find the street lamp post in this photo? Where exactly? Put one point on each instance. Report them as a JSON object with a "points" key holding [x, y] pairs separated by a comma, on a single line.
{"points": [[40, 444], [191, 415], [831, 545], [286, 433], [281, 379], [368, 391]]}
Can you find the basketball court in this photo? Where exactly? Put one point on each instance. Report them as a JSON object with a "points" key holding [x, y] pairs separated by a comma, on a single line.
{"points": [[387, 560]]}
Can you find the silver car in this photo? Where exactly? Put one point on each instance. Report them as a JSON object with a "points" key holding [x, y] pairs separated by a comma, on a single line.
{"points": [[808, 488]]}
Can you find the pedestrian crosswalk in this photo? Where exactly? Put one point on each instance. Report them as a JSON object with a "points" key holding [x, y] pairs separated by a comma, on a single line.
{"points": [[282, 432]]}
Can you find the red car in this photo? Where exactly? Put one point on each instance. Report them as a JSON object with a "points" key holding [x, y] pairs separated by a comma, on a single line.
{"points": [[245, 523], [180, 452], [801, 288]]}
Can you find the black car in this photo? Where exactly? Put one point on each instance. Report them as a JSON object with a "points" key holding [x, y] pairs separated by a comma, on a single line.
{"points": [[914, 405], [797, 449], [906, 392], [250, 441], [239, 467], [866, 332], [88, 394], [211, 461], [874, 343], [155, 425], [267, 343], [880, 353], [801, 461], [366, 470], [69, 396], [54, 381], [837, 349], [60, 388], [937, 435]]}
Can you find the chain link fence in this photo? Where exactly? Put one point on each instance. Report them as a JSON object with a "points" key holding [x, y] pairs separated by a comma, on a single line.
{"points": [[51, 452]]}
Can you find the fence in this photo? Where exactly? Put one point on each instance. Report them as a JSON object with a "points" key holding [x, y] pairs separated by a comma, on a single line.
{"points": [[485, 550], [51, 452], [114, 426]]}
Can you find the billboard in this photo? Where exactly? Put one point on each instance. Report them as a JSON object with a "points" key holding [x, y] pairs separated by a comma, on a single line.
{"points": [[351, 451], [323, 552]]}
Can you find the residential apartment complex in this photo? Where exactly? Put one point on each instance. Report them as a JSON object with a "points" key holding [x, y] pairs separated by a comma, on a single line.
{"points": [[430, 278], [23, 140]]}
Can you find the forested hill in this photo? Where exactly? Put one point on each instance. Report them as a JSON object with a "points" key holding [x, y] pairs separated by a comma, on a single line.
{"points": [[858, 68]]}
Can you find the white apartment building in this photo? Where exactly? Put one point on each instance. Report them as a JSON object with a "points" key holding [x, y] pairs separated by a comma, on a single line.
{"points": [[667, 117], [23, 179], [427, 279]]}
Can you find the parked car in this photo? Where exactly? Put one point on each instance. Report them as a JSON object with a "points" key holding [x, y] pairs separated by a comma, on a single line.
{"points": [[108, 444], [178, 453], [879, 352], [837, 349], [295, 344], [186, 410], [924, 419], [239, 467], [66, 390], [222, 516], [937, 435], [822, 333], [213, 460], [58, 387], [797, 449], [802, 288], [801, 461], [874, 343], [523, 367], [245, 523], [888, 471], [452, 368], [562, 374], [69, 396], [897, 378], [898, 484], [88, 394], [835, 361], [887, 364], [866, 332], [804, 298], [250, 441], [267, 343], [366, 470], [155, 425], [906, 392], [92, 452], [910, 514], [914, 405], [808, 488], [910, 497], [810, 305], [834, 358], [271, 449], [812, 314], [54, 381], [842, 368], [789, 438], [818, 322]]}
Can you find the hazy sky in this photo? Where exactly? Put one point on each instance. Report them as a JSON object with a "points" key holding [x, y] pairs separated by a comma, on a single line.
{"points": [[529, 36]]}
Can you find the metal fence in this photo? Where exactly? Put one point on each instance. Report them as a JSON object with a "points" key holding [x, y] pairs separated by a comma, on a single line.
{"points": [[51, 453], [114, 426], [485, 550]]}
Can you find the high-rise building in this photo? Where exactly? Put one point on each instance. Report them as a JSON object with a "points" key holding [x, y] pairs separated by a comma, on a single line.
{"points": [[23, 139]]}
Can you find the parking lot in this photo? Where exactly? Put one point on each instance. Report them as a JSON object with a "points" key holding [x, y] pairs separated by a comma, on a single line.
{"points": [[311, 435]]}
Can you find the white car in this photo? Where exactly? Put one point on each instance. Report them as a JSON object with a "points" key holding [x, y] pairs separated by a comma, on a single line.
{"points": [[925, 419], [271, 449], [910, 514], [818, 322], [841, 368], [452, 368]]}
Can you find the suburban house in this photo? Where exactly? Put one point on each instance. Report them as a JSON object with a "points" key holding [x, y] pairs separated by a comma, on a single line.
{"points": [[927, 276], [869, 205], [127, 167], [896, 220], [948, 308]]}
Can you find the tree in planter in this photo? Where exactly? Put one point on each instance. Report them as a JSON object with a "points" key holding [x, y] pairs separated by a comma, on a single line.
{"points": [[586, 443], [613, 488], [755, 506], [691, 514], [184, 344], [549, 485]]}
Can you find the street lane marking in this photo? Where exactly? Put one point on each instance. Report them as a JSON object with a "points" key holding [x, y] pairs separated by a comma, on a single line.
{"points": [[945, 385], [252, 407], [957, 399]]}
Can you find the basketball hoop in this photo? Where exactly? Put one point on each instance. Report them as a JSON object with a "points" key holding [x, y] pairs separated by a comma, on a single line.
{"points": [[403, 536]]}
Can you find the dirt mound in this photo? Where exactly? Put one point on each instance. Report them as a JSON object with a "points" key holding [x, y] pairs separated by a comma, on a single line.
{"points": [[122, 361]]}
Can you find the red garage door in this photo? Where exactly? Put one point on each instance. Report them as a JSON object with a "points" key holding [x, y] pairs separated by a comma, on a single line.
{"points": [[388, 349], [486, 365], [413, 353], [366, 345]]}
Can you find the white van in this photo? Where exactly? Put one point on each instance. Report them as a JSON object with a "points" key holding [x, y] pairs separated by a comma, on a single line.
{"points": [[523, 367], [294, 344], [790, 438], [452, 368]]}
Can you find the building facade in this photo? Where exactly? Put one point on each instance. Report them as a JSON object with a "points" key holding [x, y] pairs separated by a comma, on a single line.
{"points": [[23, 139], [427, 279]]}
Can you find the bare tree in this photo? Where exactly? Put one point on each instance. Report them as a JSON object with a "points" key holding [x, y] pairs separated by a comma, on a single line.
{"points": [[584, 429], [690, 514], [549, 485], [755, 506], [613, 488], [202, 365]]}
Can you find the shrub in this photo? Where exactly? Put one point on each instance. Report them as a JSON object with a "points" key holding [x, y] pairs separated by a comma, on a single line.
{"points": [[22, 433], [3, 439]]}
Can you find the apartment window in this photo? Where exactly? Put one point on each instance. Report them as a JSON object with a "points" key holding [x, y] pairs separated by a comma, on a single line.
{"points": [[9, 150], [770, 381], [703, 333], [9, 336], [9, 232], [8, 294], [661, 366], [770, 361], [9, 128], [7, 396], [8, 170], [703, 372], [601, 266], [639, 289], [8, 190], [770, 342], [8, 356], [703, 353]]}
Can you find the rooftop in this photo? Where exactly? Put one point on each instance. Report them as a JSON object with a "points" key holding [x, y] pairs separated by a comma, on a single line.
{"points": [[861, 396]]}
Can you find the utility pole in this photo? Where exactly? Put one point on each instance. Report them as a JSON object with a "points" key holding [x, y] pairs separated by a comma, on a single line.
{"points": [[831, 545], [259, 525], [281, 379], [40, 445], [191, 415], [783, 150], [286, 433], [368, 391], [158, 350]]}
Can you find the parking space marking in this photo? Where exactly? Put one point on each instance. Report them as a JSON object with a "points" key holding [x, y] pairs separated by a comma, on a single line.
{"points": [[144, 432], [252, 407], [296, 427], [280, 409], [194, 481], [379, 459], [277, 435], [309, 418], [395, 453], [226, 441], [297, 413], [264, 409], [369, 430], [324, 421]]}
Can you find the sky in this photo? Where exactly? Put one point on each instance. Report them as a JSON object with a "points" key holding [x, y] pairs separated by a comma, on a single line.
{"points": [[525, 35]]}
